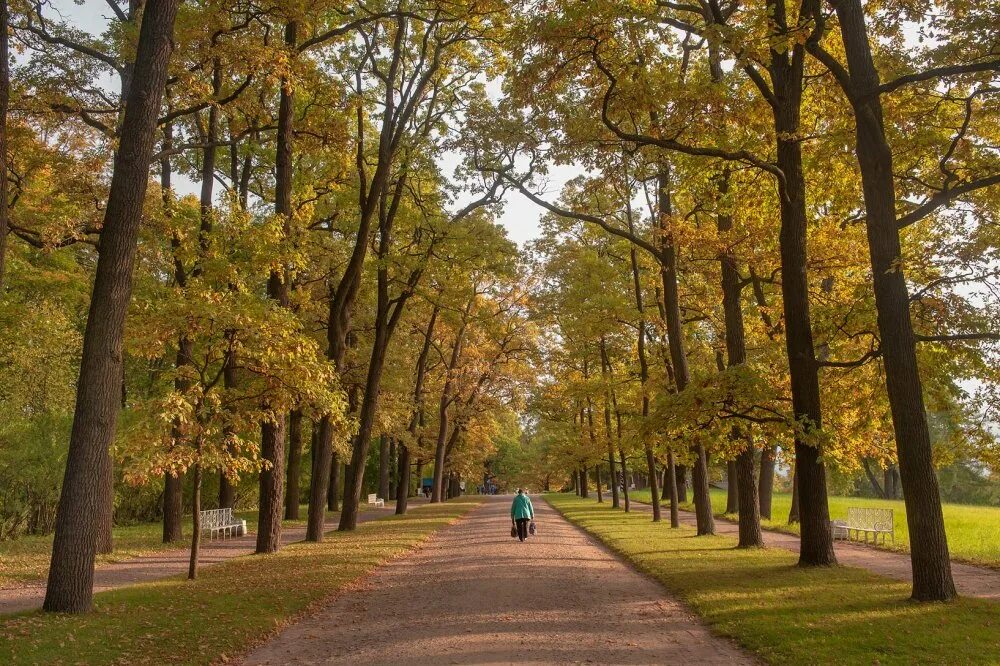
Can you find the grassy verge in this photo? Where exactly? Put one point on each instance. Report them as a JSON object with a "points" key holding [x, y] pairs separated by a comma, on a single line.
{"points": [[232, 604], [973, 531], [26, 559], [789, 615]]}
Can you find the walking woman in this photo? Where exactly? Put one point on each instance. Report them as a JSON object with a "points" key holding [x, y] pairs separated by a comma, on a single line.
{"points": [[522, 513]]}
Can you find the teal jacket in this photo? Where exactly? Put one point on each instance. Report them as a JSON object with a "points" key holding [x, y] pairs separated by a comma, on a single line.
{"points": [[521, 508]]}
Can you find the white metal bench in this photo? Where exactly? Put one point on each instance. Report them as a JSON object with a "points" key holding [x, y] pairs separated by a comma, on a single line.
{"points": [[865, 521], [221, 522], [375, 500]]}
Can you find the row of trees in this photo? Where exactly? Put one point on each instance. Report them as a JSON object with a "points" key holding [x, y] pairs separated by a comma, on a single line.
{"points": [[772, 245], [327, 268]]}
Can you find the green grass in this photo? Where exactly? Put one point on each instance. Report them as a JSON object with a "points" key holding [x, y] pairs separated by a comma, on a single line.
{"points": [[973, 531], [789, 615], [26, 559], [232, 606]]}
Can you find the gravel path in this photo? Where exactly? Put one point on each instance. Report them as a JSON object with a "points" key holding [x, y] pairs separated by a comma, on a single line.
{"points": [[167, 563], [473, 595], [970, 580]]}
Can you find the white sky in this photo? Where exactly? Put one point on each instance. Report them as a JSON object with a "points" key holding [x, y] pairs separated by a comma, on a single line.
{"points": [[520, 216]]}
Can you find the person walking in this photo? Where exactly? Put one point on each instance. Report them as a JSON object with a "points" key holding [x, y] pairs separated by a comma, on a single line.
{"points": [[522, 513]]}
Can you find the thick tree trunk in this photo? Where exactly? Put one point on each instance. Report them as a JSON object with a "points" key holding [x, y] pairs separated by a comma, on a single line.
{"points": [[786, 69], [932, 578], [765, 488], [273, 433], [732, 492], [173, 509], [321, 495], [272, 478], [749, 508], [680, 474], [106, 517], [71, 574], [294, 471]]}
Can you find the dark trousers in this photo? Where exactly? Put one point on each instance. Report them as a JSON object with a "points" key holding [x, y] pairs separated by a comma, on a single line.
{"points": [[522, 528]]}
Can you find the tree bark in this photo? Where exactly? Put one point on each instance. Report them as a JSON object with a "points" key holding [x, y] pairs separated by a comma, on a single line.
{"points": [[680, 474], [675, 334], [403, 482], [765, 488], [383, 467], [196, 523], [786, 72], [584, 490], [932, 577], [391, 471], [675, 519], [732, 493], [333, 492], [273, 432], [294, 471], [71, 574]]}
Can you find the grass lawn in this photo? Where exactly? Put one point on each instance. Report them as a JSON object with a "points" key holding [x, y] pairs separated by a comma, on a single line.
{"points": [[973, 531], [231, 606], [789, 615], [27, 558]]}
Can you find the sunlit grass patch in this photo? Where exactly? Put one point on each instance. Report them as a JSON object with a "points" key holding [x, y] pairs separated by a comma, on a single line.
{"points": [[790, 615], [26, 559], [973, 531], [232, 604]]}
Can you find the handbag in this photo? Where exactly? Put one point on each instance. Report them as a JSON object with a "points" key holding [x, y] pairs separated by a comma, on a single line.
{"points": [[531, 528], [513, 531]]}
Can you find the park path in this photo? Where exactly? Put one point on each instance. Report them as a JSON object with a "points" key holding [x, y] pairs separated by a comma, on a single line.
{"points": [[167, 563], [970, 580], [473, 595]]}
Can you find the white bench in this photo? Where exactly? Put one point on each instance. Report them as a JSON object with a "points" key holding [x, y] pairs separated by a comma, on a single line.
{"points": [[865, 520], [375, 500], [221, 522]]}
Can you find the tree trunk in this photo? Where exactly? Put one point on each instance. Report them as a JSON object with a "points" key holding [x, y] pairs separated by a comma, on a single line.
{"points": [[765, 488], [227, 489], [71, 574], [749, 508], [333, 492], [675, 333], [786, 69], [106, 518], [932, 578], [625, 497], [196, 523], [383, 467], [584, 488], [390, 469], [294, 471], [680, 473], [273, 432], [322, 488], [597, 480], [675, 518], [793, 512], [732, 492], [173, 509], [403, 482]]}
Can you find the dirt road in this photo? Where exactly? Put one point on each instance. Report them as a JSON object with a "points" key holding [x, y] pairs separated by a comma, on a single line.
{"points": [[473, 595]]}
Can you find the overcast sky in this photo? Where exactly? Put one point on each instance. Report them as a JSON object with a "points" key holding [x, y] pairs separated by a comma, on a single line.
{"points": [[520, 216]]}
